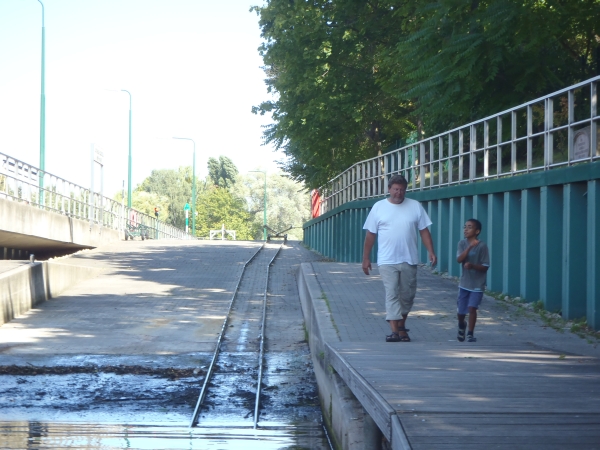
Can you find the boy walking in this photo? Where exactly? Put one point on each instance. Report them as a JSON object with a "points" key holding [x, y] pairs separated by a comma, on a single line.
{"points": [[474, 256]]}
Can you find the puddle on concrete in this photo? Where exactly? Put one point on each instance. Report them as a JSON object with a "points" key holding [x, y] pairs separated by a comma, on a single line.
{"points": [[40, 435], [148, 404]]}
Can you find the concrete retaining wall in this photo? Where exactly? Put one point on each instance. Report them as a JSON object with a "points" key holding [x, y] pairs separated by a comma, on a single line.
{"points": [[356, 418], [26, 286]]}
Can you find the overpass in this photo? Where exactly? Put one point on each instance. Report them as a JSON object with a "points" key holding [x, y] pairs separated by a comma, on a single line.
{"points": [[45, 215]]}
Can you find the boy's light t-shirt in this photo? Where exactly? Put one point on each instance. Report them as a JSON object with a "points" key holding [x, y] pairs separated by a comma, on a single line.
{"points": [[471, 279], [396, 227]]}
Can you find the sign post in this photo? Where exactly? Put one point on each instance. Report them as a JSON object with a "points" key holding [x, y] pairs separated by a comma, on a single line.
{"points": [[186, 208]]}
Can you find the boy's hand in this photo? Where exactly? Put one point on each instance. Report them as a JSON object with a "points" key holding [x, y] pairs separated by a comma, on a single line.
{"points": [[468, 265], [474, 243]]}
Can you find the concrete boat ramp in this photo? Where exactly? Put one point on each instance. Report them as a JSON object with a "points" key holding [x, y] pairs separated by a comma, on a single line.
{"points": [[522, 385]]}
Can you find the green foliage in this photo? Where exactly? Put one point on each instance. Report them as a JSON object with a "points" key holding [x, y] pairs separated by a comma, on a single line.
{"points": [[288, 204], [145, 202], [460, 61], [174, 188], [218, 206], [349, 78], [222, 172], [321, 59]]}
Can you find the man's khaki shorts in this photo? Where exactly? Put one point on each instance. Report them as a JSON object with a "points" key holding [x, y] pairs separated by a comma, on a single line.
{"points": [[400, 283]]}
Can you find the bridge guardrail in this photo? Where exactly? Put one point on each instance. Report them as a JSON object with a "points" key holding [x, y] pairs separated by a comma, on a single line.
{"points": [[557, 130], [22, 182]]}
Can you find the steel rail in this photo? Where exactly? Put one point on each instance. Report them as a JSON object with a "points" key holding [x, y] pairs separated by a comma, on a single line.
{"points": [[262, 340], [219, 340]]}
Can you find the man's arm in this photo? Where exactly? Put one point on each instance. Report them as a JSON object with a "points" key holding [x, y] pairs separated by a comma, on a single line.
{"points": [[428, 243], [369, 242]]}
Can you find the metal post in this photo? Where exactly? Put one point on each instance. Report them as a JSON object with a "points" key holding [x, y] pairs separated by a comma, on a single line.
{"points": [[193, 185], [265, 204], [129, 158], [42, 170], [265, 211]]}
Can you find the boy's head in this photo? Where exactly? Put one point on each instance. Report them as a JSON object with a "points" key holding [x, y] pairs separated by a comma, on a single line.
{"points": [[476, 224]]}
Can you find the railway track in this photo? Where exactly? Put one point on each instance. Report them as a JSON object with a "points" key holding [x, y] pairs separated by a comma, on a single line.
{"points": [[231, 392]]}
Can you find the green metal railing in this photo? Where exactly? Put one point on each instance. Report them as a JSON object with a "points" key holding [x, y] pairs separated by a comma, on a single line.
{"points": [[557, 130], [21, 182]]}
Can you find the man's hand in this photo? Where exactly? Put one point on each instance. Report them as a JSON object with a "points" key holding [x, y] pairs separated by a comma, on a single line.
{"points": [[366, 266], [432, 259]]}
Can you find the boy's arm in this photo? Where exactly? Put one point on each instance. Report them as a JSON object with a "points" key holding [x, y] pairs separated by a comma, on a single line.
{"points": [[460, 258]]}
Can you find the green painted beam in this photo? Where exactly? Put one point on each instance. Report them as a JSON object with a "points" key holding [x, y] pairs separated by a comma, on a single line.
{"points": [[530, 245], [574, 303], [593, 254], [511, 249], [551, 210]]}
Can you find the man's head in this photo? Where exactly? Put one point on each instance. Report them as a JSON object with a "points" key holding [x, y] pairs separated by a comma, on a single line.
{"points": [[397, 187], [397, 179]]}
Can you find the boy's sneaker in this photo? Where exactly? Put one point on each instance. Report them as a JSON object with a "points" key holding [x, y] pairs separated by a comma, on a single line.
{"points": [[471, 338], [461, 333]]}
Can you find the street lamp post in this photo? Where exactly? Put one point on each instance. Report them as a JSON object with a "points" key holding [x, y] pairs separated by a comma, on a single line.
{"points": [[43, 113], [129, 158], [193, 185], [265, 205]]}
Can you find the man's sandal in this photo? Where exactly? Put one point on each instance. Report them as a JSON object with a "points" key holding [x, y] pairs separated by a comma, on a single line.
{"points": [[394, 337], [404, 338]]}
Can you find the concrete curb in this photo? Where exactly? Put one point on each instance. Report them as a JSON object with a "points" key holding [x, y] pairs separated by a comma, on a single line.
{"points": [[355, 414], [26, 286]]}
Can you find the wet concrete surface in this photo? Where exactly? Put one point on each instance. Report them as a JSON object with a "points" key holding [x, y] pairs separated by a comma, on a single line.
{"points": [[144, 399]]}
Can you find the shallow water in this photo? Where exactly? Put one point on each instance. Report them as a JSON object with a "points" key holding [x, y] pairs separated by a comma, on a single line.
{"points": [[45, 435]]}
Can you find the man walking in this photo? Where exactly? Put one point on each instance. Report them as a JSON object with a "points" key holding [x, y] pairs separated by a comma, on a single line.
{"points": [[396, 220]]}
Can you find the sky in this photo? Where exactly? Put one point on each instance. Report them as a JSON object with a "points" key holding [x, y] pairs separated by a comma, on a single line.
{"points": [[192, 68]]}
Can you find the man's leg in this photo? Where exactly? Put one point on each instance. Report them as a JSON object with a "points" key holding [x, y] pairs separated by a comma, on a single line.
{"points": [[390, 277], [407, 289]]}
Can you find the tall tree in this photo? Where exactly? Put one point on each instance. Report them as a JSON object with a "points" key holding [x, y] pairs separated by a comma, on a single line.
{"points": [[222, 172], [350, 77], [288, 203], [217, 207], [176, 186], [460, 61], [321, 60]]}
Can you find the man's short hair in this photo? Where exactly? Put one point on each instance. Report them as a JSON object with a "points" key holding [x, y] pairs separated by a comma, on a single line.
{"points": [[397, 179]]}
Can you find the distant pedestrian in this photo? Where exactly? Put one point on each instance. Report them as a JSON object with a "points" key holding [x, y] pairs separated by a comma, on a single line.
{"points": [[156, 212], [395, 222], [474, 256]]}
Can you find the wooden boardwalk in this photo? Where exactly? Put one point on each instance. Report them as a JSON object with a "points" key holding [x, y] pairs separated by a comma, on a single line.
{"points": [[523, 385]]}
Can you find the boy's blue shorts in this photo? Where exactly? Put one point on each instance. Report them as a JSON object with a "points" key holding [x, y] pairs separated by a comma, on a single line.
{"points": [[468, 299]]}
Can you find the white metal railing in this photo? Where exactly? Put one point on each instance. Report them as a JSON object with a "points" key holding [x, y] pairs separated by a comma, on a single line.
{"points": [[20, 182], [560, 129]]}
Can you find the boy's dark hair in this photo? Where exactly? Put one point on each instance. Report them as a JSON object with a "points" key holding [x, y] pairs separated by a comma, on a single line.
{"points": [[397, 179], [476, 222]]}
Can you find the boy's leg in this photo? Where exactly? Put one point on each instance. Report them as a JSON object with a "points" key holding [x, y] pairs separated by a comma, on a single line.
{"points": [[474, 302], [461, 308], [472, 319]]}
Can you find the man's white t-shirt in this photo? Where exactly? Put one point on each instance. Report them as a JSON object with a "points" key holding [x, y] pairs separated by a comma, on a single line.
{"points": [[396, 227]]}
